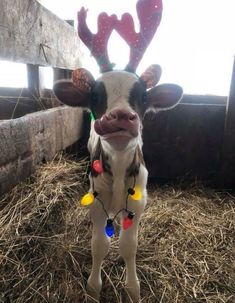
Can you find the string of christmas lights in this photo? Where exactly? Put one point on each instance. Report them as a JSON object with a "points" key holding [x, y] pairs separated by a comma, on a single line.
{"points": [[134, 192]]}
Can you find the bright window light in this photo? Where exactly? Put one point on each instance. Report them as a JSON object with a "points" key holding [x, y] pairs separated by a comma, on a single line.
{"points": [[194, 43], [46, 76], [13, 74]]}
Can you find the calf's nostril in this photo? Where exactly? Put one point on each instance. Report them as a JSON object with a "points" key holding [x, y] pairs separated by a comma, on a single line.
{"points": [[113, 116], [121, 114], [132, 116]]}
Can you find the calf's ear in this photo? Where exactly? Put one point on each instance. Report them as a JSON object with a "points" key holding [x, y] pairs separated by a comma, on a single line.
{"points": [[66, 92], [75, 92], [152, 75], [164, 96]]}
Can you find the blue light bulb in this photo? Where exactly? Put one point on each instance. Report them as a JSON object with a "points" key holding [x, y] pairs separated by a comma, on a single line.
{"points": [[109, 228]]}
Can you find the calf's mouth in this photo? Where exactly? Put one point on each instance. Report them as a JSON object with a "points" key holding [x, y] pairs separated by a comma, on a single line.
{"points": [[118, 127]]}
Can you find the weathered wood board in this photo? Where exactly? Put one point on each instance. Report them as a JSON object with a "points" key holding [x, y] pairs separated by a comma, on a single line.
{"points": [[29, 33], [228, 156], [27, 141], [15, 102], [13, 107]]}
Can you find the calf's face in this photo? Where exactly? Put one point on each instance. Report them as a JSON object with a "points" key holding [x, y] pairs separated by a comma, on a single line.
{"points": [[118, 105], [118, 100]]}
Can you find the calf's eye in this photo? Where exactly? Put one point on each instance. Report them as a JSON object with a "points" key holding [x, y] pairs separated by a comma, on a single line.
{"points": [[144, 98], [94, 97]]}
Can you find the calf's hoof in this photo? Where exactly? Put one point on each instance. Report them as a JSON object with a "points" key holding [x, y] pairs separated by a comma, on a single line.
{"points": [[93, 296], [133, 292]]}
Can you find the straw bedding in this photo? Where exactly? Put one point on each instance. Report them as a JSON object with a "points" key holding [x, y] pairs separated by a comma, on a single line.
{"points": [[186, 247]]}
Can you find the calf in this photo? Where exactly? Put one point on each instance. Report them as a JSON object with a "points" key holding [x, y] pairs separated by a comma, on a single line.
{"points": [[118, 101]]}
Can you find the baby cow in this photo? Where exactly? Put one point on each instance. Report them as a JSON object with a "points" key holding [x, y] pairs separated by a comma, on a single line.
{"points": [[118, 101]]}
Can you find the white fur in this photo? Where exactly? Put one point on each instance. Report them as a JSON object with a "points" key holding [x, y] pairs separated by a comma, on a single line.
{"points": [[118, 85], [113, 190]]}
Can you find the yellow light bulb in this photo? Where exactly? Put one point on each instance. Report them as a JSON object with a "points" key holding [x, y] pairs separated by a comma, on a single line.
{"points": [[87, 199], [137, 195]]}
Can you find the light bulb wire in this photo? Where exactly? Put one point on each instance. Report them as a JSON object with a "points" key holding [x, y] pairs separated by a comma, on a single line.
{"points": [[102, 203]]}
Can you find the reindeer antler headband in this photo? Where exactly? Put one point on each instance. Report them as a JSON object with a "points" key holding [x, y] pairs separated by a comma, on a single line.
{"points": [[149, 13]]}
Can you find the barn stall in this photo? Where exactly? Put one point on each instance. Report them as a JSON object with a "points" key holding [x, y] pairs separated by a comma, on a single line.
{"points": [[186, 240]]}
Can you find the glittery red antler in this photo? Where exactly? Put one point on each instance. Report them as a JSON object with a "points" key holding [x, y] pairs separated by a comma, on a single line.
{"points": [[149, 14], [97, 43]]}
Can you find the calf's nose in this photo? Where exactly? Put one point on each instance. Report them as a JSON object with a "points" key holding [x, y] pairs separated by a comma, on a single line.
{"points": [[117, 120], [121, 114]]}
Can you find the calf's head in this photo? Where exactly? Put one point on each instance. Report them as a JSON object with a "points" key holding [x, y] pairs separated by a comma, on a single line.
{"points": [[119, 99]]}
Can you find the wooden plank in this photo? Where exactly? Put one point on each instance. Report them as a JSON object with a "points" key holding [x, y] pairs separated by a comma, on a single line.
{"points": [[21, 92], [15, 107], [32, 34], [33, 80], [228, 156], [204, 99], [14, 92], [37, 137]]}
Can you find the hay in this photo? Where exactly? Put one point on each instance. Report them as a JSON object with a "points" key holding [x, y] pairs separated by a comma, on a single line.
{"points": [[186, 243]]}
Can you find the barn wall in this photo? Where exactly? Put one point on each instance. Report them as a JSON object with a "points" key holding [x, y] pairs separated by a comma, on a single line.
{"points": [[184, 142]]}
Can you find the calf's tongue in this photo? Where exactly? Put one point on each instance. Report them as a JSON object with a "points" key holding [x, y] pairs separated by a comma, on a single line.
{"points": [[103, 128], [117, 132]]}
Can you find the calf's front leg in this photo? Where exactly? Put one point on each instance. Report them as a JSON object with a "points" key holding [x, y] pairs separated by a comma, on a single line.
{"points": [[99, 248], [128, 247]]}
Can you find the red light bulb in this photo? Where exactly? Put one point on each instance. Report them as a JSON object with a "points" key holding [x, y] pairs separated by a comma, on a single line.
{"points": [[97, 166], [128, 221]]}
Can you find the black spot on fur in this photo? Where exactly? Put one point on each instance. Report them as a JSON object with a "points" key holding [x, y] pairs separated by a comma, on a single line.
{"points": [[133, 169], [98, 100], [138, 98]]}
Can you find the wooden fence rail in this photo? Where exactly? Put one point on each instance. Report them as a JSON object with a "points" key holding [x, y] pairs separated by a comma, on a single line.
{"points": [[31, 34]]}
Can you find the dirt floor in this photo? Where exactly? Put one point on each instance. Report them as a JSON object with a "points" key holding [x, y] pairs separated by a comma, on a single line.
{"points": [[186, 249]]}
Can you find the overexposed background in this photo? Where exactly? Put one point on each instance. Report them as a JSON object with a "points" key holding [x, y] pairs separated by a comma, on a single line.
{"points": [[194, 43]]}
